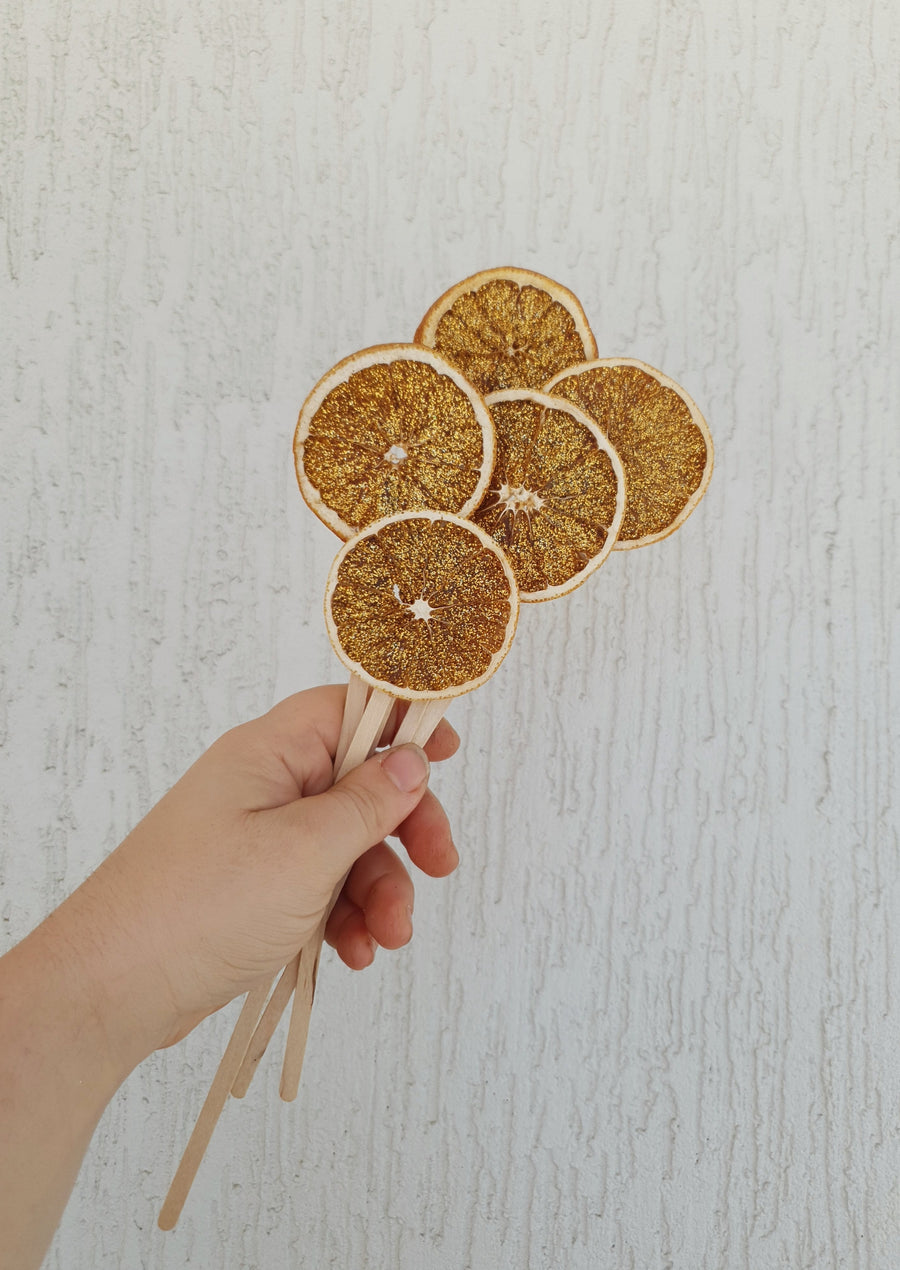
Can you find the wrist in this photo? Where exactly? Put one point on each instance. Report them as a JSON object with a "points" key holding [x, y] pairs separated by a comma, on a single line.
{"points": [[54, 1037], [88, 965], [62, 1058]]}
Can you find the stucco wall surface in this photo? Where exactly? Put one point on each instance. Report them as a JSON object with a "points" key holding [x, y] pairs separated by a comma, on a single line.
{"points": [[653, 1022]]}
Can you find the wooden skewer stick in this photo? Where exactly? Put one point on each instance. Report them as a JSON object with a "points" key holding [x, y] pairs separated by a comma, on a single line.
{"points": [[266, 1026], [301, 1013], [212, 1107], [420, 720], [367, 734], [411, 721], [426, 715], [354, 708]]}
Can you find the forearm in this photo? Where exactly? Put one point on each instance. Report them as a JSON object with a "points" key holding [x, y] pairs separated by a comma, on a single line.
{"points": [[61, 1061]]}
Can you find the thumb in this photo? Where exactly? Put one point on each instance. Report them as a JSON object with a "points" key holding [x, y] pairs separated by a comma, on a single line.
{"points": [[368, 803]]}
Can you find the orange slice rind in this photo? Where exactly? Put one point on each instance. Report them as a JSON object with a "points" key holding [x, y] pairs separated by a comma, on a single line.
{"points": [[508, 328], [557, 494], [658, 433], [421, 605], [392, 429]]}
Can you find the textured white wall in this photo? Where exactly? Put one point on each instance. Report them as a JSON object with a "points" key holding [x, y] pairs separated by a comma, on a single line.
{"points": [[654, 1020]]}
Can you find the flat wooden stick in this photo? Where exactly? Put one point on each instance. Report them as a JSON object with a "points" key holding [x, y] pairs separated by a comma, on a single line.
{"points": [[301, 1013], [354, 708], [433, 713], [367, 735], [411, 721], [266, 1026], [425, 717], [212, 1107]]}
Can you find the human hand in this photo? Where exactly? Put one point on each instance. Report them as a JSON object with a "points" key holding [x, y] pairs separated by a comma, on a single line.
{"points": [[214, 891], [231, 872]]}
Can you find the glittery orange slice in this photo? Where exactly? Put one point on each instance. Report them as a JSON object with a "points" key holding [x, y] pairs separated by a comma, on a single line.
{"points": [[392, 429], [557, 493], [421, 605], [658, 433], [508, 328]]}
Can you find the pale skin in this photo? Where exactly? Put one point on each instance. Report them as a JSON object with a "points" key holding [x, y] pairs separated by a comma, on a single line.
{"points": [[209, 895]]}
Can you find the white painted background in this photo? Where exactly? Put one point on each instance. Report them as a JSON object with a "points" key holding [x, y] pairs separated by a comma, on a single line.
{"points": [[654, 1021]]}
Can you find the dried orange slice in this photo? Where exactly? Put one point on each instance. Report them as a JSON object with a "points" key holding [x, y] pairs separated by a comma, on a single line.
{"points": [[658, 433], [392, 429], [508, 328], [421, 605], [557, 493]]}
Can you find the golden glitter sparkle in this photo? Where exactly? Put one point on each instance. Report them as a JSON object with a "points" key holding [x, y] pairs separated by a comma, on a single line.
{"points": [[389, 430], [508, 328], [421, 605], [658, 433], [557, 493]]}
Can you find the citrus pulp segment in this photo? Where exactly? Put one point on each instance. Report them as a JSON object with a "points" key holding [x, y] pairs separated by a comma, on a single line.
{"points": [[557, 493], [508, 328], [658, 433], [421, 605], [392, 429]]}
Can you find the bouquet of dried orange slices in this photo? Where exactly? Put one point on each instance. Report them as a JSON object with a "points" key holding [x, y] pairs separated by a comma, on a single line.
{"points": [[493, 460]]}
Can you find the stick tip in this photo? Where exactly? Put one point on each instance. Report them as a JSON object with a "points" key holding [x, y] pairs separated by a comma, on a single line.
{"points": [[168, 1216], [287, 1090]]}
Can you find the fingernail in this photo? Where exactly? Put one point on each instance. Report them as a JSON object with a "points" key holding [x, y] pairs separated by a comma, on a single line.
{"points": [[407, 767]]}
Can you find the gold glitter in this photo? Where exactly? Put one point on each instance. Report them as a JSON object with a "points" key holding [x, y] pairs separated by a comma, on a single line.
{"points": [[389, 431], [508, 328], [425, 604], [556, 495], [658, 433]]}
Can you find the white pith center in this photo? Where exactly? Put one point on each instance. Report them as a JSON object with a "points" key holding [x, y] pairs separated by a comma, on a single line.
{"points": [[421, 610], [396, 454], [516, 498]]}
